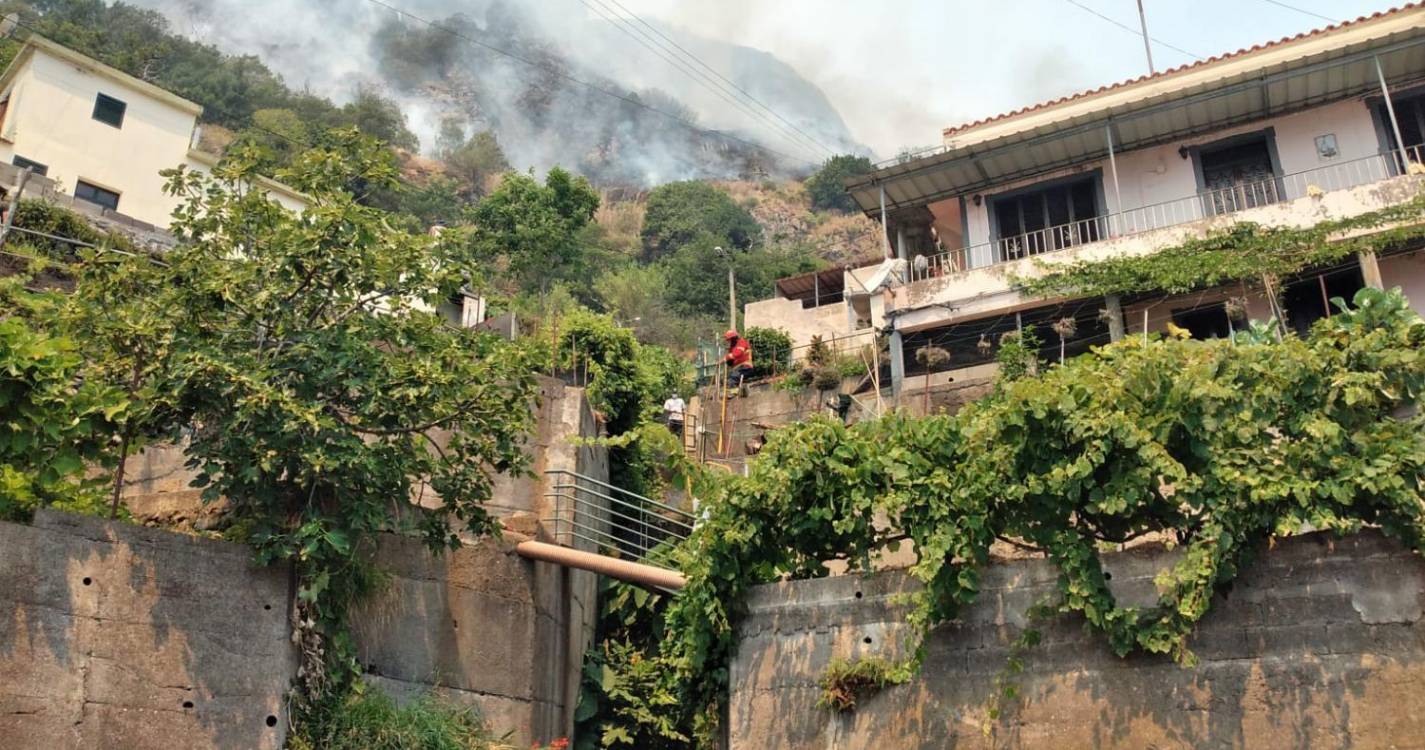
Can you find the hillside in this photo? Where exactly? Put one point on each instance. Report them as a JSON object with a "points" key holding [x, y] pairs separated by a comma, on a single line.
{"points": [[784, 211], [527, 72]]}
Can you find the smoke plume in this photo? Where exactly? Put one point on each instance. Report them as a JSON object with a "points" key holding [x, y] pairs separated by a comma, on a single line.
{"points": [[542, 115]]}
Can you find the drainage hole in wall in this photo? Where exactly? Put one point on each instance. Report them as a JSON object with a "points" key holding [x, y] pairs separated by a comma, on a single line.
{"points": [[1107, 576], [455, 624], [866, 640], [858, 594], [87, 580], [271, 721], [267, 606], [187, 704]]}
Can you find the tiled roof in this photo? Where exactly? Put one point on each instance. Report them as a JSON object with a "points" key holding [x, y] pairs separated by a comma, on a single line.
{"points": [[1179, 69]]}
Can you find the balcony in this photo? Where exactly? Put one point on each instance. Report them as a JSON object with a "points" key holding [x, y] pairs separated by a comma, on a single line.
{"points": [[1240, 201]]}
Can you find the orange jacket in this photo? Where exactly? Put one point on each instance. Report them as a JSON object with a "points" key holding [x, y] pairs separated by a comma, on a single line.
{"points": [[740, 355]]}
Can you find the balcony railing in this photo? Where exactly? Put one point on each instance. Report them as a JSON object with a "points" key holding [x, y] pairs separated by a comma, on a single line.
{"points": [[1204, 204]]}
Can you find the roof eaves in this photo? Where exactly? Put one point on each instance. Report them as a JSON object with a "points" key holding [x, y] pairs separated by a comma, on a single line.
{"points": [[54, 49], [960, 129]]}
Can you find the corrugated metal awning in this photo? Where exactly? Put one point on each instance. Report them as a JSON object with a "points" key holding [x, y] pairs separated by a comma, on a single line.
{"points": [[1161, 112], [819, 284]]}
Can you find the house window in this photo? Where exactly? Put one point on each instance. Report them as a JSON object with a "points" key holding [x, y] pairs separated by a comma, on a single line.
{"points": [[97, 195], [1238, 175], [109, 110], [1410, 114], [1049, 218], [36, 167]]}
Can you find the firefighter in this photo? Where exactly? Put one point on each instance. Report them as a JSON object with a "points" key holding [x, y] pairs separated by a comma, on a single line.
{"points": [[738, 359]]}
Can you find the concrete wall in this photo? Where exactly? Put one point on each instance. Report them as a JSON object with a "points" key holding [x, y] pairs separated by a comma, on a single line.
{"points": [[1407, 272], [1320, 644], [832, 322], [117, 636], [480, 626]]}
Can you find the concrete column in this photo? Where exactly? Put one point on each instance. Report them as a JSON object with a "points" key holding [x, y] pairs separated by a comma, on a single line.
{"points": [[1370, 270], [900, 243], [1114, 305], [897, 355]]}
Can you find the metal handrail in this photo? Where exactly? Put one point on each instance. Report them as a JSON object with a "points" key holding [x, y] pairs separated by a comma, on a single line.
{"points": [[1201, 205], [611, 518]]}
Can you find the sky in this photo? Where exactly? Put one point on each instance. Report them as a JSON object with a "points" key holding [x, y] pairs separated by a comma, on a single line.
{"points": [[900, 71]]}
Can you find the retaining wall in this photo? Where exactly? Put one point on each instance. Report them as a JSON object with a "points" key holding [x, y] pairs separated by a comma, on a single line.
{"points": [[1319, 644]]}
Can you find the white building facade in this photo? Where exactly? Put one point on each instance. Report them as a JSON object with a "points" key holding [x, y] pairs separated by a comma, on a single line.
{"points": [[1326, 125], [100, 134]]}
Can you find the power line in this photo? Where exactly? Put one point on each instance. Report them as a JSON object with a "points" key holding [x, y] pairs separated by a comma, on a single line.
{"points": [[648, 42], [793, 135], [1311, 13], [1135, 32], [723, 78], [556, 72]]}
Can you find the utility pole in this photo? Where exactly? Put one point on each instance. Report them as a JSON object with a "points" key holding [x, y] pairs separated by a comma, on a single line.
{"points": [[1148, 48], [731, 289]]}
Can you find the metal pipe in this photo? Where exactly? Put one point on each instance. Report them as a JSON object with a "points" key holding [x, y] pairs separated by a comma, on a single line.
{"points": [[1148, 48], [1390, 109], [623, 570], [1113, 168], [885, 229]]}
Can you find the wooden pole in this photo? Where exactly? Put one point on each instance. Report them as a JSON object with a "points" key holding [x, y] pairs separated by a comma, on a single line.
{"points": [[722, 396]]}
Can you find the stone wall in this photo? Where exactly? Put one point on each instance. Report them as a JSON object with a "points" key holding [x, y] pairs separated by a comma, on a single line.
{"points": [[1319, 644]]}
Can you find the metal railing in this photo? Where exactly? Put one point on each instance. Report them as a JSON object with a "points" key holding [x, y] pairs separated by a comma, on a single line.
{"points": [[612, 520], [1201, 205]]}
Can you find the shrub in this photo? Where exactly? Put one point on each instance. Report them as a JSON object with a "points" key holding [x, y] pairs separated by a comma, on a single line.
{"points": [[373, 721], [771, 351]]}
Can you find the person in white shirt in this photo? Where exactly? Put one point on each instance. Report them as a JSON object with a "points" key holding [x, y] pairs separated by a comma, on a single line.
{"points": [[673, 410]]}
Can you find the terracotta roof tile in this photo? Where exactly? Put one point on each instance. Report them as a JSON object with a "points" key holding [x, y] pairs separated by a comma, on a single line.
{"points": [[1179, 69]]}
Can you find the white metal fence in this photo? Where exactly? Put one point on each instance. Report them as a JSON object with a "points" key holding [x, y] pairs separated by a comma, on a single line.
{"points": [[1202, 205]]}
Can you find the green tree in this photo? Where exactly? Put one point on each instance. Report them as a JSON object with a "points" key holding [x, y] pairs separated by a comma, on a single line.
{"points": [[53, 421], [379, 117], [636, 295], [531, 227], [825, 186], [476, 160], [281, 134], [697, 275], [322, 389], [679, 213]]}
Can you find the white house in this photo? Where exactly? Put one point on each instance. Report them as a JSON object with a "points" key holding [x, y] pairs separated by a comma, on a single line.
{"points": [[1324, 125], [100, 134]]}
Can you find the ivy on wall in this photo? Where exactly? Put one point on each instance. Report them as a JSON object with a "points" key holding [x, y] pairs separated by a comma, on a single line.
{"points": [[1222, 446], [1243, 251]]}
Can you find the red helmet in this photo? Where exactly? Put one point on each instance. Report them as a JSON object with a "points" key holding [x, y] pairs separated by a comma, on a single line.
{"points": [[730, 335]]}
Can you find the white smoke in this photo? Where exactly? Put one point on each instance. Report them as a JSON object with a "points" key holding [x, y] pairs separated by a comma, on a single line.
{"points": [[327, 46]]}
